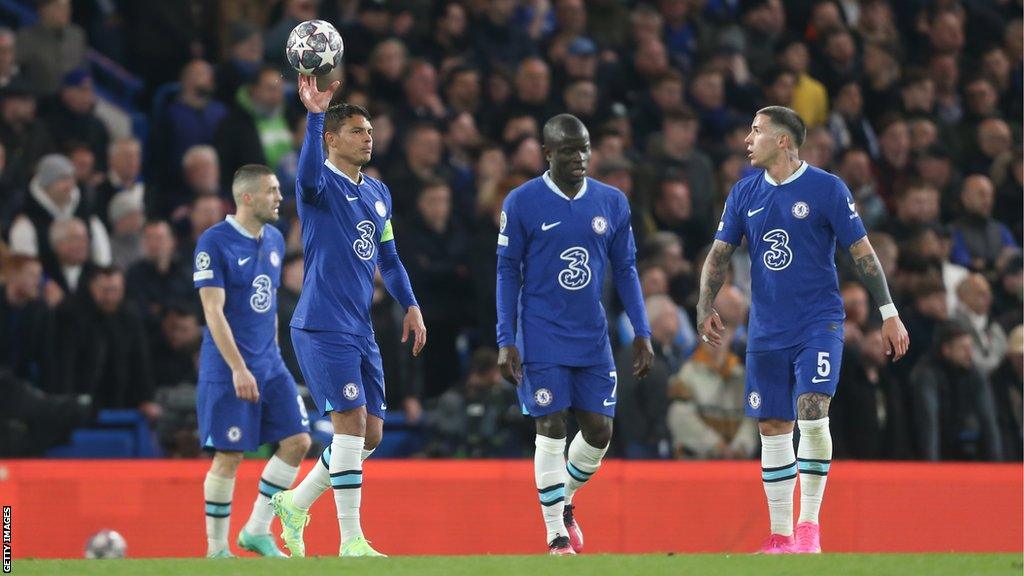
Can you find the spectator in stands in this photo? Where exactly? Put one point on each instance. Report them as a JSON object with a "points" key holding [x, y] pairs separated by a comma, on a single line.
{"points": [[53, 196], [673, 210], [654, 281], [763, 24], [160, 279], [533, 91], [244, 57], [868, 416], [975, 302], [1008, 293], [69, 239], [676, 150], [201, 171], [980, 242], [640, 415], [125, 165], [73, 118], [422, 163], [666, 93], [855, 305], [994, 143], [175, 351], [449, 36], [849, 127], [387, 67], [893, 164], [255, 131], [954, 411], [706, 416], [9, 69], [126, 215], [497, 41], [25, 138], [462, 88], [917, 206], [1008, 390], [26, 342], [665, 249], [810, 99], [102, 347], [295, 12], [481, 417], [205, 212], [928, 312], [191, 119], [51, 48], [436, 251], [854, 167], [421, 101]]}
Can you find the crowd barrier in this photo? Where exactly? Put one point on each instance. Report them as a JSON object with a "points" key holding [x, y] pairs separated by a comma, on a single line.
{"points": [[491, 507]]}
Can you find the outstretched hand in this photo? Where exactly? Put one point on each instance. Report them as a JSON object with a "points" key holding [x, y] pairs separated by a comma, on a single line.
{"points": [[313, 98]]}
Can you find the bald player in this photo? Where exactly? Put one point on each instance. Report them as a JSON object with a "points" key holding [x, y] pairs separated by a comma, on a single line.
{"points": [[559, 234]]}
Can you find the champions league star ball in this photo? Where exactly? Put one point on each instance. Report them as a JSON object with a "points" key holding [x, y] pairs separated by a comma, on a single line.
{"points": [[314, 48], [106, 544]]}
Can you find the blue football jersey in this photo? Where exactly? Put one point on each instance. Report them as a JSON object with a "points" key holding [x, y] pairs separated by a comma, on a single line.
{"points": [[249, 270], [343, 227], [562, 248], [791, 229]]}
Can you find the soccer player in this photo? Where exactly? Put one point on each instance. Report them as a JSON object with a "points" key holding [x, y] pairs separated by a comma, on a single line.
{"points": [[558, 235], [346, 235], [246, 396], [791, 215]]}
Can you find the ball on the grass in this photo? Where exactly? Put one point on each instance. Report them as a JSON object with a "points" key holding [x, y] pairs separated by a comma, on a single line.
{"points": [[106, 544], [314, 48]]}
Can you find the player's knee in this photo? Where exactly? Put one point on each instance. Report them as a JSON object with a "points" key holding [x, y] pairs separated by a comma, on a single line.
{"points": [[772, 427], [552, 425], [295, 447], [225, 464], [812, 406], [598, 436]]}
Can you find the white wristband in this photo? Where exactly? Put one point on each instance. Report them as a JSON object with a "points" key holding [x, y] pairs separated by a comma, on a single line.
{"points": [[888, 311]]}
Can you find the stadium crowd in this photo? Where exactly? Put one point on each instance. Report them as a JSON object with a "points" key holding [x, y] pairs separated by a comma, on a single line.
{"points": [[916, 104]]}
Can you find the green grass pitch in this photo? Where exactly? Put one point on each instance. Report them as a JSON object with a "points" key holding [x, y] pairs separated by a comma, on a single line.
{"points": [[604, 565]]}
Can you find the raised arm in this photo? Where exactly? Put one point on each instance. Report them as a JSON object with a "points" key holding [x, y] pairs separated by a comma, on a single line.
{"points": [[870, 269], [712, 277], [311, 157]]}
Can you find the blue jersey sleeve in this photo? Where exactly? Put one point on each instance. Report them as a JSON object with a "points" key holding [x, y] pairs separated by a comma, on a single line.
{"points": [[311, 160], [843, 216], [511, 247], [208, 266], [627, 282], [730, 227]]}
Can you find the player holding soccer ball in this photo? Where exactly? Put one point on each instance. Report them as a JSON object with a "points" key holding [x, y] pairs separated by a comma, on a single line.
{"points": [[346, 235], [246, 396], [791, 215], [558, 235]]}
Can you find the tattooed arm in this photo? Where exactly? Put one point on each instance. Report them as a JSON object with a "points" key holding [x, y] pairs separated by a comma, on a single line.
{"points": [[716, 268], [894, 334]]}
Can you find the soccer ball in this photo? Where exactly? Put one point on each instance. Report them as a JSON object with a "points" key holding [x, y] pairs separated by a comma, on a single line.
{"points": [[106, 544], [314, 48]]}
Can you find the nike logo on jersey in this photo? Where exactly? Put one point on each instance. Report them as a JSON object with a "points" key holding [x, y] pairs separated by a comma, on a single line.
{"points": [[242, 261], [612, 403], [545, 226], [817, 380], [383, 406], [351, 198], [752, 212], [852, 205], [305, 422]]}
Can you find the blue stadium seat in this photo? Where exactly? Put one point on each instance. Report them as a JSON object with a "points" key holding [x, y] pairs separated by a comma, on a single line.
{"points": [[91, 443]]}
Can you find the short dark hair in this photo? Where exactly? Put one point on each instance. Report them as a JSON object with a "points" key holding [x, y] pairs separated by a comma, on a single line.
{"points": [[951, 331], [336, 115], [110, 270], [680, 114], [788, 120], [247, 175]]}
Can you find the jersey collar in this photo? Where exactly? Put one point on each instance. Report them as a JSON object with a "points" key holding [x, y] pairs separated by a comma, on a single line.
{"points": [[554, 187], [336, 170], [241, 229], [799, 172]]}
